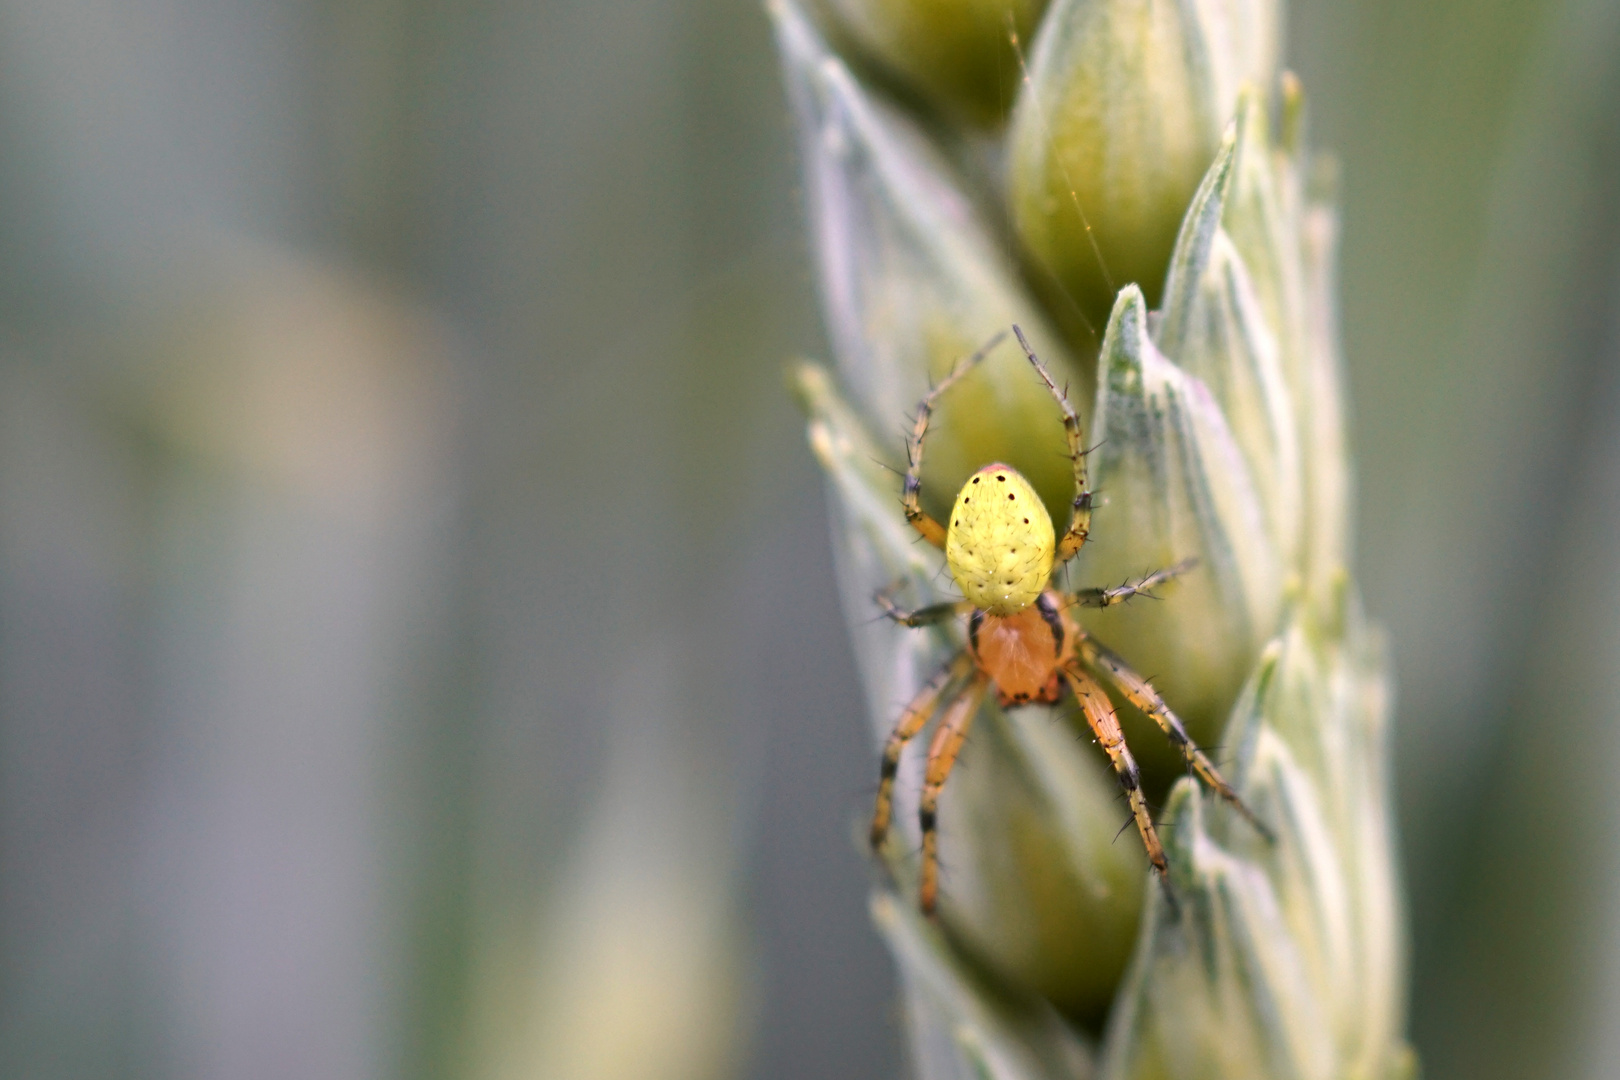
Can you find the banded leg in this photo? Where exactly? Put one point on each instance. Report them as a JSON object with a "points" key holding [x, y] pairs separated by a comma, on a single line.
{"points": [[911, 721], [924, 616], [1099, 713], [931, 530], [948, 739], [1120, 593], [1080, 520], [1140, 693]]}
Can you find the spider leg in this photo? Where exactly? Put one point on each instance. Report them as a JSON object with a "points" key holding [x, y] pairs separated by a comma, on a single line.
{"points": [[948, 739], [912, 719], [1121, 593], [1099, 713], [1141, 694], [1080, 519], [931, 530], [924, 616]]}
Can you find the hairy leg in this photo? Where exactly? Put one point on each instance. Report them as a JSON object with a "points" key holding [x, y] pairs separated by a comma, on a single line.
{"points": [[931, 530], [1080, 519], [924, 616], [1120, 593], [948, 739], [912, 719], [1141, 694], [1099, 713]]}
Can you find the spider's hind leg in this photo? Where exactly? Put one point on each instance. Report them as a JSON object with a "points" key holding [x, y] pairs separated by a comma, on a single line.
{"points": [[1141, 694], [1104, 722], [912, 719], [942, 751]]}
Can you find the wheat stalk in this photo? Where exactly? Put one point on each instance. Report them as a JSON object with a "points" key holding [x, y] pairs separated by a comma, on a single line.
{"points": [[1149, 213]]}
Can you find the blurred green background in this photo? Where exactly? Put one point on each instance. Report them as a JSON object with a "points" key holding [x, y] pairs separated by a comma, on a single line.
{"points": [[418, 647]]}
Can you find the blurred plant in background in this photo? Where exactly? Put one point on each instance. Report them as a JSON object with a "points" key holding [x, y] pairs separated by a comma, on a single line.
{"points": [[1218, 434]]}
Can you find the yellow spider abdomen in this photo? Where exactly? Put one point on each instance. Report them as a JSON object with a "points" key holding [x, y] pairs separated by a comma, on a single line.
{"points": [[1000, 542]]}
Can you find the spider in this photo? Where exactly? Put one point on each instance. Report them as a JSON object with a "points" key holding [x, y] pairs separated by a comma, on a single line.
{"points": [[1022, 637]]}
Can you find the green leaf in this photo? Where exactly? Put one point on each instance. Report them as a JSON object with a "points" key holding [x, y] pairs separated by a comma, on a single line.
{"points": [[1285, 959], [1329, 483], [955, 53], [1118, 122], [1173, 483], [874, 548], [1193, 242], [964, 1027], [1215, 328]]}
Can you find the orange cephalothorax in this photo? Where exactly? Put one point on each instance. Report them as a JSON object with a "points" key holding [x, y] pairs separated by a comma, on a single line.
{"points": [[1023, 653]]}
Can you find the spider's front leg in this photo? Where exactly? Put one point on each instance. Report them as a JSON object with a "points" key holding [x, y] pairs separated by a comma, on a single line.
{"points": [[1140, 693], [910, 493], [1074, 538]]}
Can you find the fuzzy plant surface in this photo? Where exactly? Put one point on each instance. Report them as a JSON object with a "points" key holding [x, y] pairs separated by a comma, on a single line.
{"points": [[1128, 182]]}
